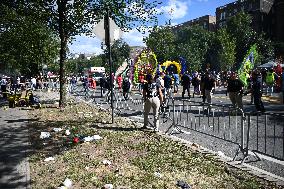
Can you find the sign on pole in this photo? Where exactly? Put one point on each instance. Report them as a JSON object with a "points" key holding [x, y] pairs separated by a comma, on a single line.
{"points": [[115, 31]]}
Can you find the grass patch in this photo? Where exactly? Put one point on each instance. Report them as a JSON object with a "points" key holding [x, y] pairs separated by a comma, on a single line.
{"points": [[139, 159]]}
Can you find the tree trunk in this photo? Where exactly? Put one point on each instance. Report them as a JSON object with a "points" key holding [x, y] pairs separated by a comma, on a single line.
{"points": [[63, 45]]}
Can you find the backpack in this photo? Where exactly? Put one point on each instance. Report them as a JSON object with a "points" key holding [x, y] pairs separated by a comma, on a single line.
{"points": [[126, 84], [151, 89]]}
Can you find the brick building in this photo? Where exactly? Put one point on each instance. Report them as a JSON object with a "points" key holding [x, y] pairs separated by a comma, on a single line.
{"points": [[207, 22]]}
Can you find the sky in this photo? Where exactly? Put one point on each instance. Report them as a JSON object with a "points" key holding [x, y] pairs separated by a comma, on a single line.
{"points": [[178, 11]]}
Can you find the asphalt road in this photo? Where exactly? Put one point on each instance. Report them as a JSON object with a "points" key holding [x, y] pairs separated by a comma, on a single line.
{"points": [[220, 130]]}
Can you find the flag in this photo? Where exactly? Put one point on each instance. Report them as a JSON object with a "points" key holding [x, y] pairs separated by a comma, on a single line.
{"points": [[183, 65], [247, 65]]}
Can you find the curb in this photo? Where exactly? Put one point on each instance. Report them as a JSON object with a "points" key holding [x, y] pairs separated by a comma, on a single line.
{"points": [[228, 160]]}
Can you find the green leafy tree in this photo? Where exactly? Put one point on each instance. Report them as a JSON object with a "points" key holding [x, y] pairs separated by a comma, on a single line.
{"points": [[239, 27], [162, 41], [193, 44], [25, 43], [226, 46], [70, 18], [120, 52]]}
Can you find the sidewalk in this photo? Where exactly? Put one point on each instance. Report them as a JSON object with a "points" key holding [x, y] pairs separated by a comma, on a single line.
{"points": [[14, 166]]}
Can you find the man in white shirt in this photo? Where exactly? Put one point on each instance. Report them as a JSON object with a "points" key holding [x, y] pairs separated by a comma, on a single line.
{"points": [[33, 81]]}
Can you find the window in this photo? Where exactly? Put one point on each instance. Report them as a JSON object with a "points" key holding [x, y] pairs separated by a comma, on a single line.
{"points": [[204, 25], [223, 15]]}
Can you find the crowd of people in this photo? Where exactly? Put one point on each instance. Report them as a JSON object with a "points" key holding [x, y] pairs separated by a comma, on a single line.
{"points": [[157, 90], [16, 84]]}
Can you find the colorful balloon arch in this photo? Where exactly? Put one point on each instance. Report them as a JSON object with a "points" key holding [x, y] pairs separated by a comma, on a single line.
{"points": [[145, 63], [171, 67]]}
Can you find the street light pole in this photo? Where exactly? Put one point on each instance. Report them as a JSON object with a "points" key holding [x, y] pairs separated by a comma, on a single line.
{"points": [[107, 41]]}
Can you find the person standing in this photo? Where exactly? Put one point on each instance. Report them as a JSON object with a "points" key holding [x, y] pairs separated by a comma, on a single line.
{"points": [[176, 82], [33, 83], [235, 91], [185, 81], [270, 80], [119, 81], [196, 84], [3, 83], [152, 95], [257, 91], [209, 87], [168, 87], [126, 88], [103, 83]]}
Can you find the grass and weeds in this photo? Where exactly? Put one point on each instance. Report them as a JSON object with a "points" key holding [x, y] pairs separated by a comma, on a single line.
{"points": [[139, 158]]}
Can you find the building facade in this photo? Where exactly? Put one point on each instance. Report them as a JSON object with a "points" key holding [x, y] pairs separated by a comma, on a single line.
{"points": [[207, 22]]}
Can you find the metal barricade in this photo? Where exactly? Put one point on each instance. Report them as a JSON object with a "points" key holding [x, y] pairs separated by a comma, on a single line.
{"points": [[266, 134], [219, 121]]}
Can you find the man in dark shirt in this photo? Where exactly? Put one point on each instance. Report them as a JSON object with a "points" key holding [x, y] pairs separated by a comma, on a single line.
{"points": [[103, 82], [257, 91], [167, 85], [209, 87], [235, 90], [185, 81]]}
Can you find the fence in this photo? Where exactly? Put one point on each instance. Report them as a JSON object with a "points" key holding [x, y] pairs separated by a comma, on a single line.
{"points": [[258, 133], [251, 132]]}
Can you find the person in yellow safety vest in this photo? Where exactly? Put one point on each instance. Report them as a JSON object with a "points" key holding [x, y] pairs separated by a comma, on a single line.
{"points": [[269, 80]]}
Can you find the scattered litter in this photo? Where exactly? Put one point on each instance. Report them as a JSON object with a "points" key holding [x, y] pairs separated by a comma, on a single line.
{"points": [[106, 162], [221, 154], [91, 138], [87, 168], [57, 129], [49, 159], [76, 139], [108, 186], [67, 132], [67, 183], [157, 174], [44, 135], [183, 185]]}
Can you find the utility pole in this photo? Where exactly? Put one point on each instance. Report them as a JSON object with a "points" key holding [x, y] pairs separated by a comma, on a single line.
{"points": [[107, 42]]}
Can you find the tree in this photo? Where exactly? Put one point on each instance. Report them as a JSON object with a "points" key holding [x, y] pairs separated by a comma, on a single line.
{"points": [[162, 41], [120, 51], [239, 27], [70, 18], [225, 50], [193, 44], [25, 43]]}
